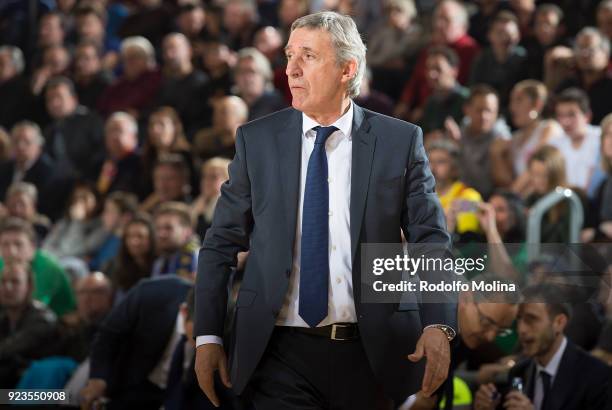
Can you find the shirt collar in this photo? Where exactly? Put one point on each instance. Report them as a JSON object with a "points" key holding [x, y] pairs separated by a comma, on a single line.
{"points": [[344, 123], [553, 366]]}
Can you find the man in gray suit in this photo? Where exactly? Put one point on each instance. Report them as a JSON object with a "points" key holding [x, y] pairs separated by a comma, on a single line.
{"points": [[307, 186]]}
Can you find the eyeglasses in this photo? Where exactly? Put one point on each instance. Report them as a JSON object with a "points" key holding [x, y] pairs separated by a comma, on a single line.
{"points": [[489, 324]]}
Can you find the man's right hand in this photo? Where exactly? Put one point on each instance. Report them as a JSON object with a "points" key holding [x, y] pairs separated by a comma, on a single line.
{"points": [[94, 390], [209, 358], [487, 397]]}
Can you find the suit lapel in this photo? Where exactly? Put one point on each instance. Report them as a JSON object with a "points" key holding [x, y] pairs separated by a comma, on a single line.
{"points": [[363, 153], [289, 152], [563, 384]]}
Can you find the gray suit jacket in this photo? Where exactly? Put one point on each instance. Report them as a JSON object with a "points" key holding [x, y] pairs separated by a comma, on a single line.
{"points": [[391, 187]]}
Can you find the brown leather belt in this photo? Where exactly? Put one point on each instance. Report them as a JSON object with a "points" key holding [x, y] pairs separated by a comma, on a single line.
{"points": [[337, 331]]}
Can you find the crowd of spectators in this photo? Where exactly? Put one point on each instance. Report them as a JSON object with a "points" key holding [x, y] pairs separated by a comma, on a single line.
{"points": [[117, 126]]}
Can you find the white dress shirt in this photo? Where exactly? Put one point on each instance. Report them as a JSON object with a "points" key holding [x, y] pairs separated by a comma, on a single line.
{"points": [[551, 368], [341, 306]]}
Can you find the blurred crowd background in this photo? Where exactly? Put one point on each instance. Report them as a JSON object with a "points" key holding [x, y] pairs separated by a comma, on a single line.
{"points": [[117, 125]]}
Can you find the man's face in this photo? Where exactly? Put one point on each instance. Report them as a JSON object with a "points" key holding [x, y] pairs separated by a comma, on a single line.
{"points": [[176, 51], [191, 22], [447, 25], [16, 247], [482, 111], [135, 62], [119, 138], [50, 31], [440, 74], [94, 298], [86, 60], [248, 78], [546, 27], [317, 82], [14, 287], [168, 183], [90, 27], [589, 54], [571, 118], [441, 165], [482, 322], [504, 35], [171, 235], [604, 21], [60, 103], [536, 330], [21, 206], [26, 146], [7, 69]]}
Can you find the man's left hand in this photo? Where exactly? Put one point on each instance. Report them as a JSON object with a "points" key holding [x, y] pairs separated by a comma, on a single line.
{"points": [[434, 345], [515, 400]]}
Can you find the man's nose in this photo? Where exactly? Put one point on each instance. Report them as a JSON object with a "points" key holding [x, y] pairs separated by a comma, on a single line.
{"points": [[293, 68]]}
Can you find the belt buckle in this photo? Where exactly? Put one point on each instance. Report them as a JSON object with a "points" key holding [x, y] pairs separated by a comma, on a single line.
{"points": [[333, 332]]}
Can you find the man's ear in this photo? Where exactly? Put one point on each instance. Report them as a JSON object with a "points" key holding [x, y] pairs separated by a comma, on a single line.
{"points": [[349, 70], [560, 322]]}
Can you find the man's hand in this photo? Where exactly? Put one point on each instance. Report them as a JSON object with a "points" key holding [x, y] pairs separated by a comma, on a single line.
{"points": [[94, 390], [515, 400], [434, 345], [487, 397], [209, 358]]}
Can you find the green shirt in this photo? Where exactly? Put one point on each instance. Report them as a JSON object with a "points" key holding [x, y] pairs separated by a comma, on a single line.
{"points": [[51, 284]]}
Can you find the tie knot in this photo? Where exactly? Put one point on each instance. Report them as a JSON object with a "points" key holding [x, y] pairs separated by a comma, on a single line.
{"points": [[323, 133]]}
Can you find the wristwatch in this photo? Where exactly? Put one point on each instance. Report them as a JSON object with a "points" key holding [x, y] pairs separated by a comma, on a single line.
{"points": [[448, 331]]}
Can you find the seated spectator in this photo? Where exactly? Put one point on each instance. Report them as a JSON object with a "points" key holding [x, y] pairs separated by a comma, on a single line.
{"points": [[480, 20], [482, 317], [219, 140], [447, 97], [182, 84], [26, 326], [580, 143], [476, 140], [450, 21], [214, 174], [218, 61], [18, 246], [119, 208], [458, 200], [135, 258], [21, 202], [170, 183], [373, 99], [164, 136], [288, 12], [546, 172], [177, 247], [191, 20], [14, 87], [599, 215], [527, 101], [135, 91], [94, 301], [547, 33], [55, 62], [552, 363], [502, 64], [239, 22], [253, 76], [29, 163], [393, 46], [90, 79], [592, 56], [90, 26], [130, 373], [80, 232], [121, 168], [604, 18], [269, 42], [75, 136]]}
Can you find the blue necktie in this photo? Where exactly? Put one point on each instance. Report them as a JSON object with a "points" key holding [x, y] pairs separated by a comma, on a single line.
{"points": [[314, 257]]}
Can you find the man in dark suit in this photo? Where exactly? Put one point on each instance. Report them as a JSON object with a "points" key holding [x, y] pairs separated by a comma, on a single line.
{"points": [[343, 176], [557, 375], [132, 351], [29, 163]]}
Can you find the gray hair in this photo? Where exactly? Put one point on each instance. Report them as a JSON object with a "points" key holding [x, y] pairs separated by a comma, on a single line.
{"points": [[346, 40], [604, 41], [261, 62], [462, 13], [16, 57], [124, 116], [140, 43], [24, 188], [31, 125]]}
